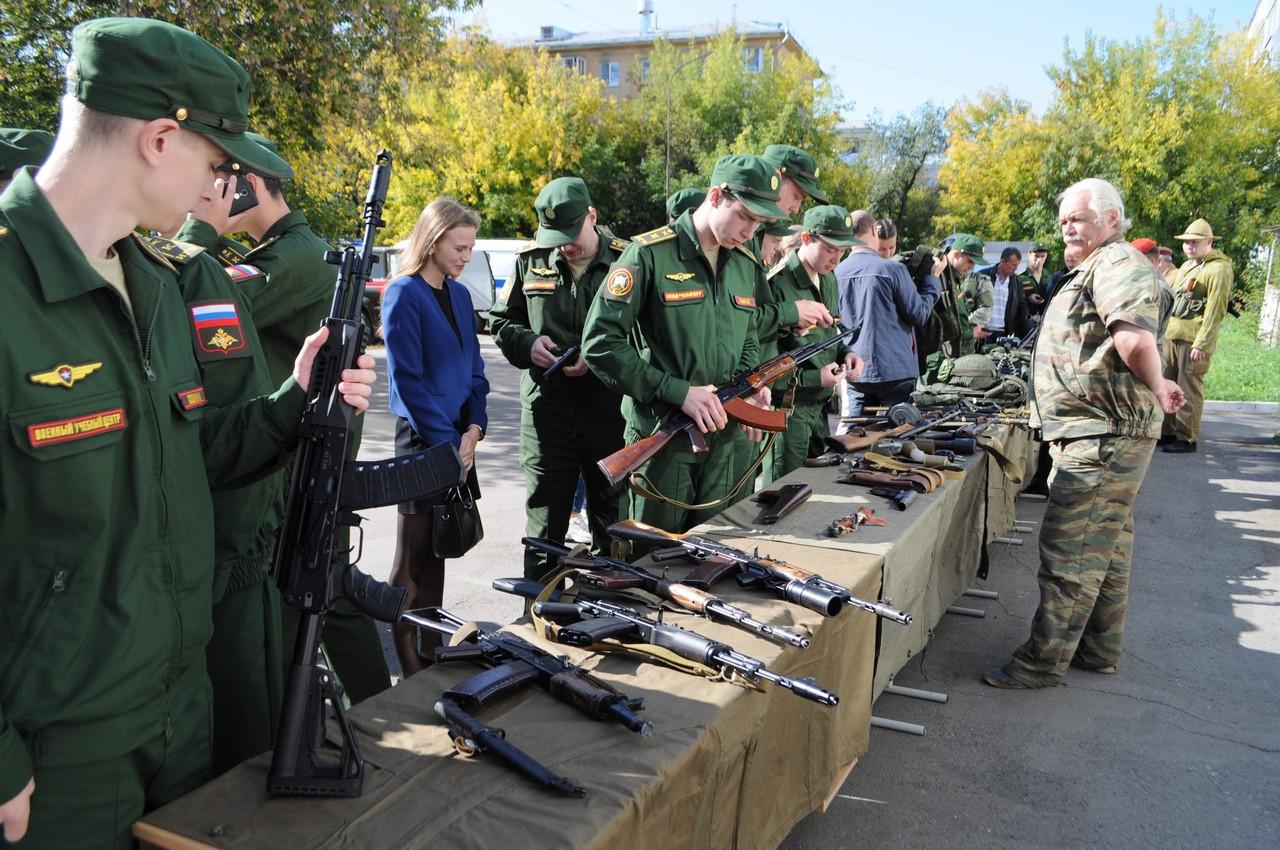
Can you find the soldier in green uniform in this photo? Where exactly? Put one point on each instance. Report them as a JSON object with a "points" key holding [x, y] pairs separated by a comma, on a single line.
{"points": [[1201, 292], [104, 492], [288, 288], [570, 420], [807, 274], [1035, 280], [948, 331], [19, 148], [683, 199], [689, 290], [1098, 396]]}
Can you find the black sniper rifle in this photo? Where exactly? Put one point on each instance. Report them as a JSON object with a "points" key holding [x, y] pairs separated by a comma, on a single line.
{"points": [[784, 580], [610, 574], [513, 663], [324, 491], [732, 395], [586, 622]]}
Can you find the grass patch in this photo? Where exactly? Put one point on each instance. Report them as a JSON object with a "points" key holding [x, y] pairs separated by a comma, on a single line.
{"points": [[1242, 368]]}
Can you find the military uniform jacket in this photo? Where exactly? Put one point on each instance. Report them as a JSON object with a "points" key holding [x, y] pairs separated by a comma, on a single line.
{"points": [[663, 322], [544, 300], [775, 313], [1081, 387], [949, 324], [1200, 295], [790, 282], [109, 450], [284, 279]]}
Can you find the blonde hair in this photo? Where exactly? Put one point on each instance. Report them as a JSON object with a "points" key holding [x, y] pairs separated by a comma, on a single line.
{"points": [[439, 217]]}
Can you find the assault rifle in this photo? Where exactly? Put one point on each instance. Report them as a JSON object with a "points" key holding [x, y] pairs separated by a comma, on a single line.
{"points": [[586, 622], [610, 574], [324, 491], [513, 662], [784, 580], [733, 396]]}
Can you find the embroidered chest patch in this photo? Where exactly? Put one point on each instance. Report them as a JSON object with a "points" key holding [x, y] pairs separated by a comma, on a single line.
{"points": [[64, 374], [77, 428], [217, 331], [683, 296], [744, 301]]}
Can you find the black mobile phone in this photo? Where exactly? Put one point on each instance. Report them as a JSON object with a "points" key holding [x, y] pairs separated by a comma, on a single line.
{"points": [[244, 198]]}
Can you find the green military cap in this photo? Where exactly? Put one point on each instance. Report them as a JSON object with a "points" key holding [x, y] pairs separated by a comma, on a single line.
{"points": [[778, 227], [684, 199], [561, 206], [831, 224], [971, 245], [1038, 248], [798, 165], [751, 180], [268, 156], [148, 69], [1199, 229], [22, 147]]}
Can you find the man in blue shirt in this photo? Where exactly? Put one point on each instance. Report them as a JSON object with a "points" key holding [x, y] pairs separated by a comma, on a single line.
{"points": [[880, 296]]}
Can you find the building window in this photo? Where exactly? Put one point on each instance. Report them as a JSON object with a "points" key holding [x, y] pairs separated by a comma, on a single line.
{"points": [[611, 73], [753, 58], [574, 63], [644, 70]]}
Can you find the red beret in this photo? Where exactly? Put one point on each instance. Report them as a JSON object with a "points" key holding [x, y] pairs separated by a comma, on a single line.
{"points": [[1145, 246]]}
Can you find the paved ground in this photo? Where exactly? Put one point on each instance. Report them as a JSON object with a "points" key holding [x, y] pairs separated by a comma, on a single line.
{"points": [[1180, 749]]}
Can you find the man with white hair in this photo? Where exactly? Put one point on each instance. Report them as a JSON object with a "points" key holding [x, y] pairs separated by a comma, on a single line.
{"points": [[1099, 397]]}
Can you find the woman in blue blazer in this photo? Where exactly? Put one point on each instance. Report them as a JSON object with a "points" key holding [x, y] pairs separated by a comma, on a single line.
{"points": [[438, 389]]}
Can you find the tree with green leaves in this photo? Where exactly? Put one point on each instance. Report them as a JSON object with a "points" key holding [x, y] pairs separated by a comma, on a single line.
{"points": [[896, 154]]}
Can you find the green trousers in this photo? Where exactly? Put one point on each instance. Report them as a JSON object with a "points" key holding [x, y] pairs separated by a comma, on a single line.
{"points": [[1086, 547], [805, 429], [94, 804], [1189, 376], [554, 451], [246, 658], [692, 479]]}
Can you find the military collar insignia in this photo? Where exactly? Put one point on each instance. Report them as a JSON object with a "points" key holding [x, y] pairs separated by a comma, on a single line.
{"points": [[263, 244], [680, 277], [64, 374]]}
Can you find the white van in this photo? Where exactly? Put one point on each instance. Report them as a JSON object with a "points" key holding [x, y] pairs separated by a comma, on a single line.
{"points": [[479, 277]]}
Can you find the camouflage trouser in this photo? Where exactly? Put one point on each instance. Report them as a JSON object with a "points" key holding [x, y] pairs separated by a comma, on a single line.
{"points": [[1086, 544], [1189, 375]]}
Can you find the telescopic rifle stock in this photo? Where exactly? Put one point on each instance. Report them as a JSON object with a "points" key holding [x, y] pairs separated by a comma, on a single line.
{"points": [[733, 396]]}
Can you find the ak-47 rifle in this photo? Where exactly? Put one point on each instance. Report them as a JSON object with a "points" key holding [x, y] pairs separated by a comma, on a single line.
{"points": [[733, 396], [611, 574], [324, 492], [586, 622], [784, 580], [513, 662]]}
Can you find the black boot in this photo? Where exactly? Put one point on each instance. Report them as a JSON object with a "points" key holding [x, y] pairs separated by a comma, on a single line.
{"points": [[1179, 447]]}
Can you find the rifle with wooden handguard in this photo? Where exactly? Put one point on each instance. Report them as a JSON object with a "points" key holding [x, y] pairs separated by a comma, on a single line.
{"points": [[513, 663], [868, 439], [611, 574], [587, 622], [733, 396], [784, 580]]}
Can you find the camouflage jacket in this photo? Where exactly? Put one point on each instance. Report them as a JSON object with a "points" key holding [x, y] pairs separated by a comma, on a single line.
{"points": [[1081, 387], [1201, 290]]}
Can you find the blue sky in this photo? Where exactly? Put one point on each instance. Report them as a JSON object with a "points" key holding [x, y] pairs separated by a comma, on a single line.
{"points": [[892, 55]]}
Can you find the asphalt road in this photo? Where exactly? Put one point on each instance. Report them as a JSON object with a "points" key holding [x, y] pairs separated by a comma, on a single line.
{"points": [[1180, 749]]}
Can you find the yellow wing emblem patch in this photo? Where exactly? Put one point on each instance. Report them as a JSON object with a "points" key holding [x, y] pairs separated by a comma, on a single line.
{"points": [[681, 277], [64, 374]]}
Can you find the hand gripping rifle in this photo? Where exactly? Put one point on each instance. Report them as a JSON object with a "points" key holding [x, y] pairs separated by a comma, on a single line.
{"points": [[733, 396], [587, 622], [513, 663], [611, 574], [324, 491], [784, 580]]}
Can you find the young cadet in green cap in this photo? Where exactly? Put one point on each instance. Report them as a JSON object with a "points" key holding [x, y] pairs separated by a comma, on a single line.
{"points": [[289, 288], [683, 199], [571, 419], [688, 289], [107, 520], [1035, 280], [19, 148], [807, 274], [948, 331]]}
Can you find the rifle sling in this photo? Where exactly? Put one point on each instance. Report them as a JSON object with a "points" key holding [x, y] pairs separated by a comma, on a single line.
{"points": [[645, 488]]}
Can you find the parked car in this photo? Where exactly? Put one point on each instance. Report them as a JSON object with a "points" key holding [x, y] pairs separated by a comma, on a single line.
{"points": [[502, 260], [478, 277]]}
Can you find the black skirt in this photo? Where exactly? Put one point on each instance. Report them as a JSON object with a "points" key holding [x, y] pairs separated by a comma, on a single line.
{"points": [[408, 442]]}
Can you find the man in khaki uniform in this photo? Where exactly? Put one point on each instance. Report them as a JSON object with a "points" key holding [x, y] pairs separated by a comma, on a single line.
{"points": [[1201, 291], [1098, 397]]}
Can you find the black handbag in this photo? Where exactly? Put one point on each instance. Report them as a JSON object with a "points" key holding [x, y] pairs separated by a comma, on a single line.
{"points": [[455, 524]]}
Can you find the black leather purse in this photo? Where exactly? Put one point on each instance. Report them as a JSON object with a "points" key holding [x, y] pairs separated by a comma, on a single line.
{"points": [[455, 524]]}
